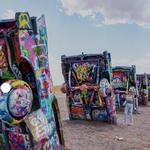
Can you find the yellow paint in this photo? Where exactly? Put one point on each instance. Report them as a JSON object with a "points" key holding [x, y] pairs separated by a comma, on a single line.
{"points": [[38, 72], [100, 100], [2, 59], [15, 122], [19, 82], [24, 20], [82, 71]]}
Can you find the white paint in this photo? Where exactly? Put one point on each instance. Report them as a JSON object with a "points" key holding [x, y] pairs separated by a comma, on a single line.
{"points": [[5, 87]]}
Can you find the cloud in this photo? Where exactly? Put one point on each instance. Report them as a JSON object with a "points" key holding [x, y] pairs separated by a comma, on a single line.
{"points": [[110, 12], [8, 14], [142, 64]]}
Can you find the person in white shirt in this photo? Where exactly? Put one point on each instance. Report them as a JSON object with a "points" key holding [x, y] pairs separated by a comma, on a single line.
{"points": [[128, 110]]}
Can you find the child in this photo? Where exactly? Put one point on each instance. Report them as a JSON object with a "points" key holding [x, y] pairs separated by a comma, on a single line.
{"points": [[128, 111]]}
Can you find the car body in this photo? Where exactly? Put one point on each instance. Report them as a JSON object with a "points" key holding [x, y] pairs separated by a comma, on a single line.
{"points": [[148, 78], [87, 78], [29, 114], [123, 77], [142, 84]]}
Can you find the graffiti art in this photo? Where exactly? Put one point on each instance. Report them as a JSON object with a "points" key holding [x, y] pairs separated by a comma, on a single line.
{"points": [[123, 78], [29, 113], [88, 86], [142, 85]]}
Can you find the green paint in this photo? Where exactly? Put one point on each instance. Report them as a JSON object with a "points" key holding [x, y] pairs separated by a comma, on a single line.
{"points": [[6, 74], [38, 50], [25, 51]]}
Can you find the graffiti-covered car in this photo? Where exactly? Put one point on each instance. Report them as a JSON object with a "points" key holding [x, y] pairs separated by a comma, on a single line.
{"points": [[29, 114], [148, 80], [142, 84], [123, 78], [88, 87]]}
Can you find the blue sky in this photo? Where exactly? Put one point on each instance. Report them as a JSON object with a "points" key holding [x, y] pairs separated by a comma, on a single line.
{"points": [[91, 26]]}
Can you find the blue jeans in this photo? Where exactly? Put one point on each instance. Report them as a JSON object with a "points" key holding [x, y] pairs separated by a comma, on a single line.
{"points": [[128, 113], [117, 100]]}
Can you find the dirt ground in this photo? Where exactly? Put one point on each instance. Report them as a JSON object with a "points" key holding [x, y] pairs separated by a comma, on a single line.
{"points": [[89, 135]]}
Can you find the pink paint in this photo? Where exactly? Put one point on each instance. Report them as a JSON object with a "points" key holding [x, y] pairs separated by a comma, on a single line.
{"points": [[28, 45]]}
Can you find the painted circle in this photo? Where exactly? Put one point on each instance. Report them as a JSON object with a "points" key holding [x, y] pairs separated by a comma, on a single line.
{"points": [[5, 87], [20, 101]]}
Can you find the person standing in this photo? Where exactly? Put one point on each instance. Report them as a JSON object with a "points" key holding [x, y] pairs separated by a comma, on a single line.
{"points": [[117, 97], [128, 111]]}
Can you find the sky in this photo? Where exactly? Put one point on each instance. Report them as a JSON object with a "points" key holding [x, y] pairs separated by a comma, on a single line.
{"points": [[122, 27]]}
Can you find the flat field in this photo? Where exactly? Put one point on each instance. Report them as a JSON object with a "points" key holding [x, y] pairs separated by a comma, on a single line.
{"points": [[92, 135]]}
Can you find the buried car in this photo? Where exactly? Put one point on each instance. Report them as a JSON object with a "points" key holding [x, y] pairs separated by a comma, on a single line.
{"points": [[29, 114], [88, 87], [148, 79], [142, 84], [123, 78]]}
